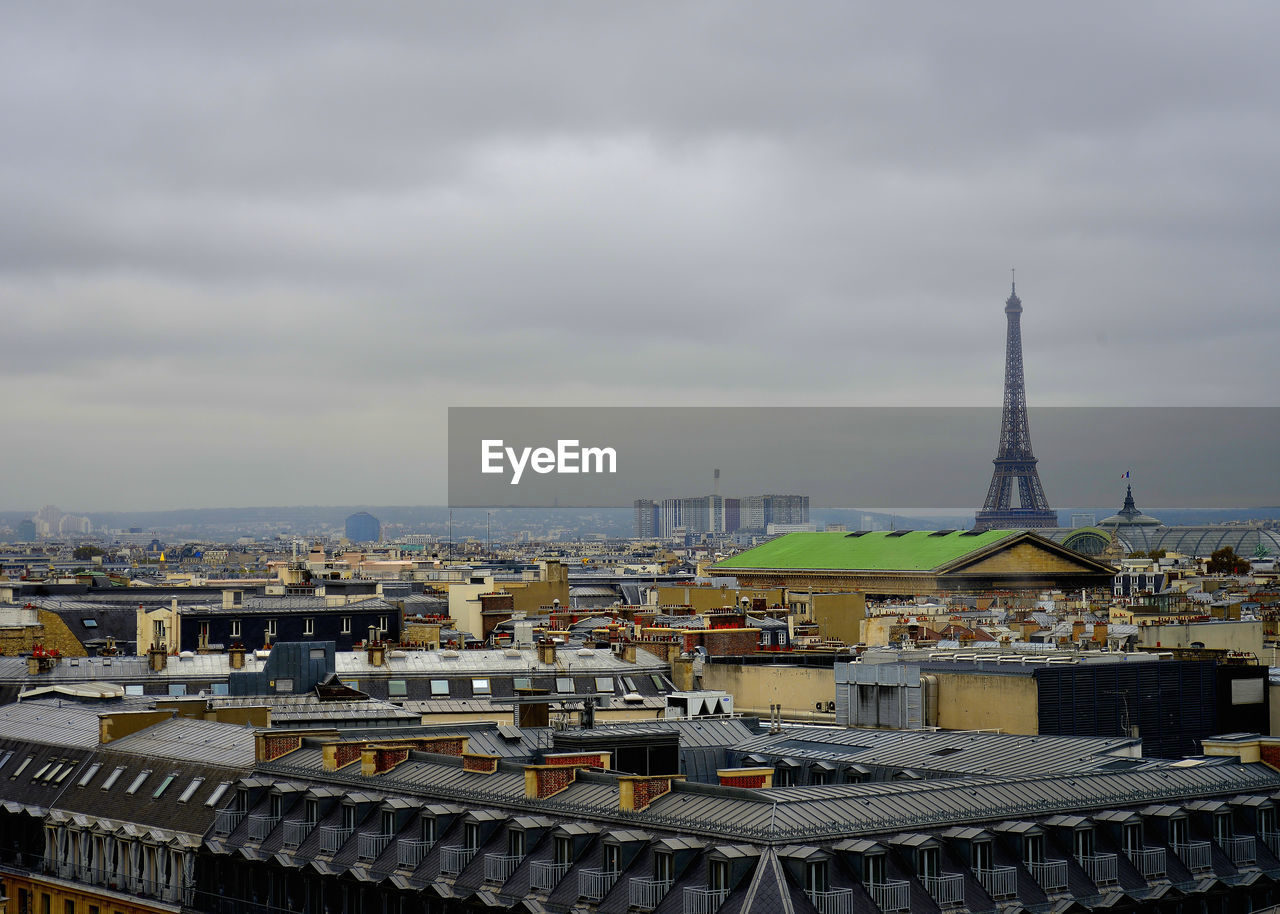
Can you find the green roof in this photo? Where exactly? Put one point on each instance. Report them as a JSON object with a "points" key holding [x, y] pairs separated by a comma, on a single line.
{"points": [[916, 550]]}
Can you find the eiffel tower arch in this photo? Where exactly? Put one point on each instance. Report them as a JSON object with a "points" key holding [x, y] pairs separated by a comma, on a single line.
{"points": [[1015, 464]]}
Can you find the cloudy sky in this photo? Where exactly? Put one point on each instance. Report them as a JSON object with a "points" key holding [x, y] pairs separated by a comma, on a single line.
{"points": [[250, 253]]}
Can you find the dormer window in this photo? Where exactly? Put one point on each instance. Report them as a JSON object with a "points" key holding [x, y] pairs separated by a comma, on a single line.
{"points": [[1082, 842], [515, 842], [429, 829], [612, 859], [1266, 819], [564, 849], [927, 862], [982, 855], [1033, 849], [873, 869], [815, 876], [1132, 837], [718, 875], [1178, 831], [348, 816], [664, 867], [277, 805], [313, 810], [1221, 827], [388, 822], [472, 836]]}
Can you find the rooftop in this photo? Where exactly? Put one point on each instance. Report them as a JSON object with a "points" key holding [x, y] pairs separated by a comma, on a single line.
{"points": [[914, 550]]}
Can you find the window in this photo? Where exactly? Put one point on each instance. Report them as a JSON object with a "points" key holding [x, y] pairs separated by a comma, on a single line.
{"points": [[664, 867], [982, 855], [927, 861], [88, 775], [177, 688], [1266, 820], [397, 688], [21, 768], [388, 822], [316, 653], [348, 815], [1033, 849], [204, 633], [313, 810], [1177, 831], [69, 906], [522, 682], [284, 685], [217, 793], [873, 869], [471, 836], [564, 684], [190, 789], [515, 842], [429, 829], [138, 781], [308, 627], [658, 682], [480, 687], [1132, 837], [271, 628], [718, 875], [221, 688], [564, 849], [1221, 827], [4, 759], [612, 859], [133, 690], [235, 628], [89, 623], [382, 624], [157, 630], [112, 778], [629, 683], [39, 774], [815, 876], [346, 625], [276, 805], [440, 688], [604, 684], [164, 785], [1082, 842]]}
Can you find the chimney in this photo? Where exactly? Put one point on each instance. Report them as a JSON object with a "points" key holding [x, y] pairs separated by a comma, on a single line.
{"points": [[547, 652], [236, 656], [376, 652], [157, 658], [1077, 630], [1100, 633]]}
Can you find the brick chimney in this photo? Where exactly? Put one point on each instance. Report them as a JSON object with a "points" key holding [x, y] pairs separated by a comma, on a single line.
{"points": [[547, 652], [236, 657], [157, 658]]}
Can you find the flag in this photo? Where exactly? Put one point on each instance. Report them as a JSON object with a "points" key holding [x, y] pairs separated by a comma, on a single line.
{"points": [[1126, 475]]}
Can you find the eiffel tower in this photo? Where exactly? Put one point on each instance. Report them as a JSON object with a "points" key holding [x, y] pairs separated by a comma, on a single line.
{"points": [[1014, 460]]}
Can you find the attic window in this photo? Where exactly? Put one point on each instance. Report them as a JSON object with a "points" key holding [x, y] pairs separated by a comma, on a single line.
{"points": [[217, 793], [17, 771], [397, 688], [190, 789], [948, 750], [138, 781], [4, 759], [564, 684], [65, 771], [164, 785], [88, 775], [480, 687], [440, 687], [89, 623], [112, 778]]}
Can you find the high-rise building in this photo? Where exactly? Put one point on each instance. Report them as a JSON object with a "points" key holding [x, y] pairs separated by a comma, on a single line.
{"points": [[670, 517], [363, 527], [647, 515], [1014, 460]]}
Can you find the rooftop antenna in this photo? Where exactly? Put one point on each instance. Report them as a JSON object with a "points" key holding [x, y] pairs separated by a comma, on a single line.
{"points": [[1013, 273], [715, 475]]}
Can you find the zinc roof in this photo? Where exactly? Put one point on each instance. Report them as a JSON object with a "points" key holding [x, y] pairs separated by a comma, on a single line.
{"points": [[916, 550]]}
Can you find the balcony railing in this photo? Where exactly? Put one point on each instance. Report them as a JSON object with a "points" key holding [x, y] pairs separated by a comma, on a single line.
{"points": [[891, 896], [370, 847], [1272, 840], [1149, 861], [410, 852], [1051, 875], [1195, 854], [499, 867], [702, 899], [295, 832], [1100, 868], [332, 837], [1243, 850], [645, 893], [999, 881], [594, 884], [544, 875], [225, 821], [454, 858], [832, 901], [261, 825], [947, 888]]}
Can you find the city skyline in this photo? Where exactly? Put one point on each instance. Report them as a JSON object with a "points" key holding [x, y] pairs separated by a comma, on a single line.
{"points": [[240, 245]]}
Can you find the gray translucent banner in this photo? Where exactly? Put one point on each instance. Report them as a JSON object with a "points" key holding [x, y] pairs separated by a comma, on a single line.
{"points": [[872, 458]]}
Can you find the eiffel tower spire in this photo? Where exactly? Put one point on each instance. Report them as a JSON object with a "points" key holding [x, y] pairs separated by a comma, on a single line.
{"points": [[1015, 461]]}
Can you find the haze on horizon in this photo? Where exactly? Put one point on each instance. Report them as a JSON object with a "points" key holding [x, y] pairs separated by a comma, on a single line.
{"points": [[250, 252]]}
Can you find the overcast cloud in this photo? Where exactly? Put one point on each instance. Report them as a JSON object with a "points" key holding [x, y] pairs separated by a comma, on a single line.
{"points": [[249, 253]]}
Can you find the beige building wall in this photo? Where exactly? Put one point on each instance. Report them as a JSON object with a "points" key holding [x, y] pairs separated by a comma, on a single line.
{"points": [[1223, 636], [703, 599], [838, 615], [528, 596], [797, 688], [974, 702]]}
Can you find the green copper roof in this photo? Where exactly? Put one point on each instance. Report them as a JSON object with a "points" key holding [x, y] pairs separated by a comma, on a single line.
{"points": [[917, 550]]}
